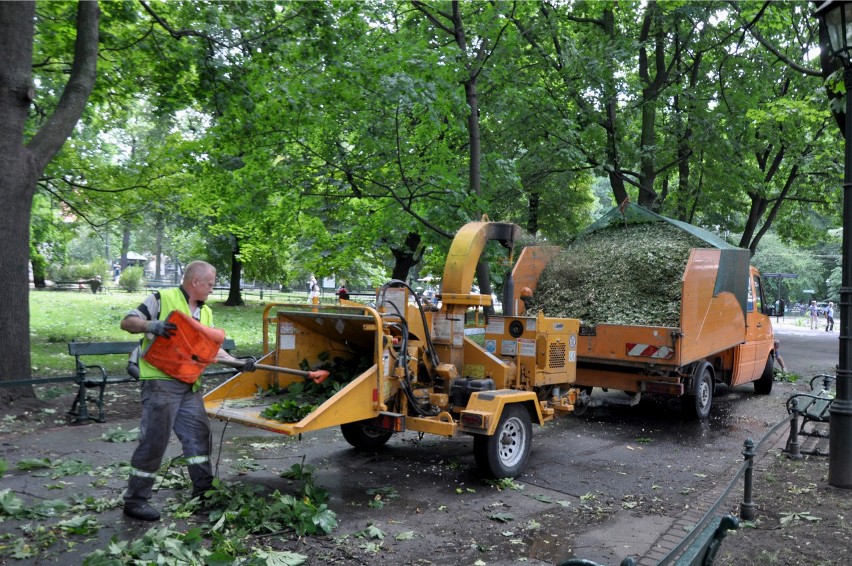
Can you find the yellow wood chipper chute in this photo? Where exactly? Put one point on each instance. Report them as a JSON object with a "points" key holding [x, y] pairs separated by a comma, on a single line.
{"points": [[401, 366]]}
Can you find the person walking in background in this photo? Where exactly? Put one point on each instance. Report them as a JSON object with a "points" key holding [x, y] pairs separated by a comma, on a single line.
{"points": [[343, 292], [814, 313], [778, 359], [829, 317], [313, 288], [312, 283]]}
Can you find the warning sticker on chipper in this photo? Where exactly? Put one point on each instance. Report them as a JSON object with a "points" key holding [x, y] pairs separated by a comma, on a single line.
{"points": [[508, 347], [526, 347], [496, 325], [286, 336], [286, 341]]}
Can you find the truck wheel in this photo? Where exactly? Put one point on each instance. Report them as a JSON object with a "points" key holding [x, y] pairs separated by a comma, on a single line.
{"points": [[763, 386], [505, 453], [363, 437], [698, 406]]}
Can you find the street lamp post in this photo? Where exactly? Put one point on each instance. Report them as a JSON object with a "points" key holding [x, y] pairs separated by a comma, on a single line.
{"points": [[837, 18]]}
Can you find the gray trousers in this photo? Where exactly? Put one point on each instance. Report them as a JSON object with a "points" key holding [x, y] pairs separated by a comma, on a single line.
{"points": [[168, 404]]}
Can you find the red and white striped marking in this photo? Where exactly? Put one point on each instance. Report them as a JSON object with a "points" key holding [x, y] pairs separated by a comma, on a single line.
{"points": [[649, 351]]}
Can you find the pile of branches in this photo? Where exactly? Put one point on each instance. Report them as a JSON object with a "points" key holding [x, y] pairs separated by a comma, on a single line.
{"points": [[302, 398], [619, 275]]}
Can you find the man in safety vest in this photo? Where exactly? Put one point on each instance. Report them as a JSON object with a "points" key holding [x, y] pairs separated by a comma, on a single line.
{"points": [[167, 403]]}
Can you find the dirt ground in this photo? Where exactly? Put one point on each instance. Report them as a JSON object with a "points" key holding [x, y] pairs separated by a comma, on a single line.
{"points": [[800, 519]]}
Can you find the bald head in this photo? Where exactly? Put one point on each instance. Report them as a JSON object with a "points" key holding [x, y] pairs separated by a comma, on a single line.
{"points": [[199, 280], [197, 269]]}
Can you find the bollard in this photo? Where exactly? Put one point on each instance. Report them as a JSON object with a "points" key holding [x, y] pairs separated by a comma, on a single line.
{"points": [[747, 506], [794, 449]]}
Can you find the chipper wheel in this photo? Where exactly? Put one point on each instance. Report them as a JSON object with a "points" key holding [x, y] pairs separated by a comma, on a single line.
{"points": [[363, 437], [504, 454]]}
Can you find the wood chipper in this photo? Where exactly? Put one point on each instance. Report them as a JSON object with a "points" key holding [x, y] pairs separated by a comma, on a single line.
{"points": [[412, 368]]}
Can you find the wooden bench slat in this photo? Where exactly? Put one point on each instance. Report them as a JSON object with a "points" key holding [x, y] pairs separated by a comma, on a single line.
{"points": [[100, 348]]}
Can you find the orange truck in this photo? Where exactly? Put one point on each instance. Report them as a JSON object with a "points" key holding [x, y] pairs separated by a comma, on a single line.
{"points": [[724, 333]]}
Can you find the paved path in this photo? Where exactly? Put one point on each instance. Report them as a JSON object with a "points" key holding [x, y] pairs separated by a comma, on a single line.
{"points": [[650, 474]]}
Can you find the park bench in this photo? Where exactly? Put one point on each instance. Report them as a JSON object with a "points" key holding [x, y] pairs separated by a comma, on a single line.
{"points": [[813, 406], [102, 378], [98, 378]]}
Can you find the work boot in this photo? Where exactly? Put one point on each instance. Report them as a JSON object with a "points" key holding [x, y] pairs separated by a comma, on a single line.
{"points": [[142, 511], [201, 493]]}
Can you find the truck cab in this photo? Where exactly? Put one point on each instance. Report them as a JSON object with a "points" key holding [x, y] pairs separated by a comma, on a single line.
{"points": [[755, 357]]}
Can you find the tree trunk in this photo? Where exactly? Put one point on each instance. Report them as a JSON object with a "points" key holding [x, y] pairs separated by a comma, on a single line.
{"points": [[533, 208], [648, 140], [651, 28], [473, 67], [159, 273], [23, 165], [609, 121], [473, 135], [17, 184], [39, 265], [19, 180], [125, 244], [406, 256], [235, 298]]}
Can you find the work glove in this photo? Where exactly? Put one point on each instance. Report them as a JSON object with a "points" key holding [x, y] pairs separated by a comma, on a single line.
{"points": [[250, 363], [162, 328]]}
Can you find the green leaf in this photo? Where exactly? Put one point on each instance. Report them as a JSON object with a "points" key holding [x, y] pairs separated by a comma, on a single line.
{"points": [[34, 464], [326, 520], [79, 525], [10, 504], [281, 557], [120, 435], [791, 517], [540, 497], [501, 517]]}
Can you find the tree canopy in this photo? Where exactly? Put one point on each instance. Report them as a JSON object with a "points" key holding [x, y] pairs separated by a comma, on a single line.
{"points": [[352, 139]]}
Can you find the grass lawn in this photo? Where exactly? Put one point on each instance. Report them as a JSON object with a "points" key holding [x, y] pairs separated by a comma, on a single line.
{"points": [[58, 317]]}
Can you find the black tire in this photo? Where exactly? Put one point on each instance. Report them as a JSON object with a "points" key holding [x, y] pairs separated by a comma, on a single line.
{"points": [[505, 453], [364, 437], [697, 406], [763, 386]]}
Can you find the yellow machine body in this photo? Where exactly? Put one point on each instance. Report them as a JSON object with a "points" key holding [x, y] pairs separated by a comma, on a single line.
{"points": [[423, 372], [305, 334], [542, 354]]}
